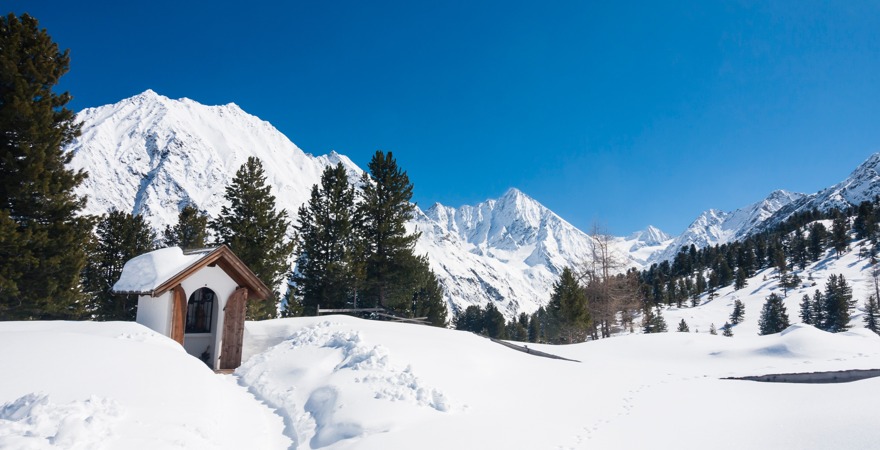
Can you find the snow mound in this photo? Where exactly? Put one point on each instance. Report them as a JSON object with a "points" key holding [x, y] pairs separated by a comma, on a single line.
{"points": [[84, 385], [146, 272], [333, 369], [33, 421]]}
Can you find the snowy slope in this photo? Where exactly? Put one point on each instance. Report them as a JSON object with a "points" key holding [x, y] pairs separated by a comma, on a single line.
{"points": [[348, 383], [511, 250], [152, 155], [119, 385], [718, 227], [863, 184]]}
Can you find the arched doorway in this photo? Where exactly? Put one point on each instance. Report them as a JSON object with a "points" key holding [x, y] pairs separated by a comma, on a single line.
{"points": [[200, 324]]}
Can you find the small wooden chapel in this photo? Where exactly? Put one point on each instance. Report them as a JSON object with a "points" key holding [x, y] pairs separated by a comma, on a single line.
{"points": [[196, 297]]}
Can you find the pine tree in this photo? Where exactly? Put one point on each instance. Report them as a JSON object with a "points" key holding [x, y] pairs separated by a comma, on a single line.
{"points": [[255, 231], [839, 235], [774, 317], [43, 237], [569, 301], [816, 244], [727, 330], [653, 322], [329, 266], [683, 327], [384, 210], [739, 311], [838, 304], [118, 237], [712, 330], [428, 297], [741, 280], [493, 322], [191, 230], [872, 314], [535, 326], [806, 312], [818, 308], [471, 319]]}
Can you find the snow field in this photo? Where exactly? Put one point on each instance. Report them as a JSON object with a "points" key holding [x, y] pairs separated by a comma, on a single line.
{"points": [[633, 391], [114, 385]]}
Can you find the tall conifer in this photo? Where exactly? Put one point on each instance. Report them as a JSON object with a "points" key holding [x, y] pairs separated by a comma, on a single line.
{"points": [[383, 211], [42, 238], [251, 226], [329, 265], [191, 230], [118, 237]]}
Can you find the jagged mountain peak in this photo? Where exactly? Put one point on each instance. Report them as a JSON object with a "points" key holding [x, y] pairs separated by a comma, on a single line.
{"points": [[863, 184], [650, 236], [151, 155]]}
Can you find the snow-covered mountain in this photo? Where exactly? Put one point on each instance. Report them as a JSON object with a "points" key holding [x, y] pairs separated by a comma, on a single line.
{"points": [[863, 184], [152, 155], [718, 227]]}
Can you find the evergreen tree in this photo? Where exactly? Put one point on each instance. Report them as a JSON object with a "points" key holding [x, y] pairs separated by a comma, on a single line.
{"points": [[191, 230], [384, 210], [42, 238], [806, 312], [255, 231], [818, 309], [535, 326], [739, 311], [799, 254], [428, 296], [839, 235], [838, 303], [683, 327], [774, 317], [712, 330], [653, 322], [816, 244], [119, 237], [741, 280], [872, 314], [329, 265], [727, 330], [471, 319], [493, 322], [569, 301]]}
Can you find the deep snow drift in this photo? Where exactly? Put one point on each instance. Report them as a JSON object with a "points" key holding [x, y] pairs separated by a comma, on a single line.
{"points": [[119, 385], [349, 383]]}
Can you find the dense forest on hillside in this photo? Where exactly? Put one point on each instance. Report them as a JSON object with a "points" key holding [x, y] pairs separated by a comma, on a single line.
{"points": [[694, 275]]}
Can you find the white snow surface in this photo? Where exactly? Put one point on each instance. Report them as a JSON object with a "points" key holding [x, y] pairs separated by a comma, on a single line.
{"points": [[339, 382], [115, 385], [143, 273]]}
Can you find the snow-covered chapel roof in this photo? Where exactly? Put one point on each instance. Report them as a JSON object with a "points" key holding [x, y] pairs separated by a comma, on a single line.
{"points": [[156, 272]]}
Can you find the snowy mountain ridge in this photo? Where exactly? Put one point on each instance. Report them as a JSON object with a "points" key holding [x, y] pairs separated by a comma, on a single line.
{"points": [[863, 184], [718, 227], [152, 155]]}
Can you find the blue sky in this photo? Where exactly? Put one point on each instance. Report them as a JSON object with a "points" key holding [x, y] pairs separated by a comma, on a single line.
{"points": [[618, 113]]}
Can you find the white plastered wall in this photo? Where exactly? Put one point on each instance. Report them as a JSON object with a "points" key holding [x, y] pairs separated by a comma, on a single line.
{"points": [[155, 313]]}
